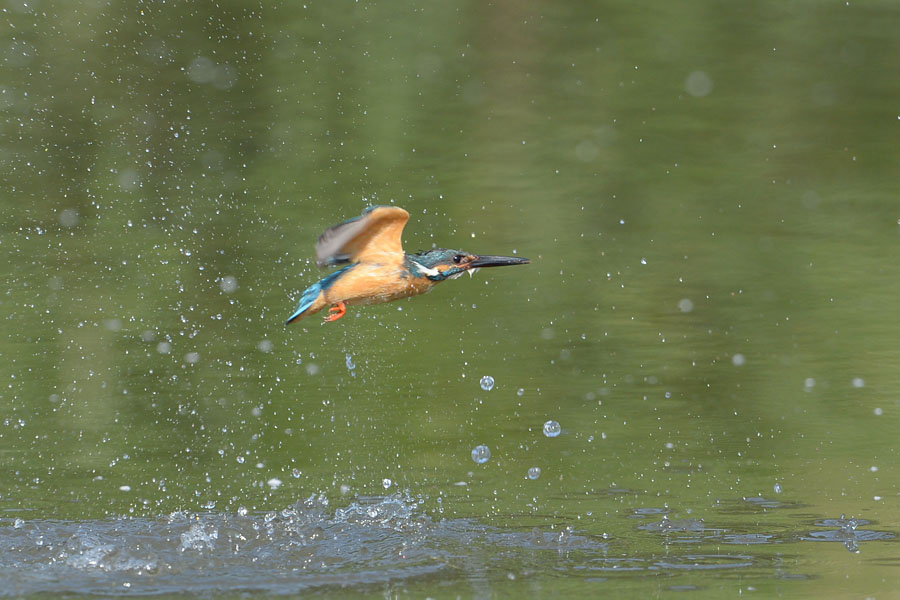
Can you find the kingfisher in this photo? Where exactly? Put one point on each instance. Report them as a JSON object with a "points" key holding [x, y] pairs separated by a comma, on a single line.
{"points": [[376, 269]]}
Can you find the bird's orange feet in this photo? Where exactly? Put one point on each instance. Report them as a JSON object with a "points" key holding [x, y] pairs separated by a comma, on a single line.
{"points": [[336, 312]]}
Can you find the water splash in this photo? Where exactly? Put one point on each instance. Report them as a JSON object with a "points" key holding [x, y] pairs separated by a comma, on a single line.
{"points": [[301, 548]]}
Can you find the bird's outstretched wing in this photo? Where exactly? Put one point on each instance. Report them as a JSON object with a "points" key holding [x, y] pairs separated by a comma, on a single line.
{"points": [[370, 237]]}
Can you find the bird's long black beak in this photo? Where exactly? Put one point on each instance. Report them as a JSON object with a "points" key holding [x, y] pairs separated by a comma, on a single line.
{"points": [[481, 262]]}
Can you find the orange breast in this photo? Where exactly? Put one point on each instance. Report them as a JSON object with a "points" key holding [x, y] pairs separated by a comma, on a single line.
{"points": [[371, 283]]}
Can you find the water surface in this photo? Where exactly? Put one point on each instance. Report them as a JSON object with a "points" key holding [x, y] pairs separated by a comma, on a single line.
{"points": [[708, 196]]}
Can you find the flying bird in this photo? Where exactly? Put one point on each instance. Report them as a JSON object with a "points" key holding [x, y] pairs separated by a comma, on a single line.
{"points": [[376, 269]]}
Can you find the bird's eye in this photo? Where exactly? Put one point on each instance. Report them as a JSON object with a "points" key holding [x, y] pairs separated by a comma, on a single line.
{"points": [[458, 258]]}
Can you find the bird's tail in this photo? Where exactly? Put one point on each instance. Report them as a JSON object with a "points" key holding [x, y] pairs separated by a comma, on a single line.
{"points": [[313, 299], [306, 301]]}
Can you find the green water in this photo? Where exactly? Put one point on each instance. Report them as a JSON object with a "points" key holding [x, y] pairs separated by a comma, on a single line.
{"points": [[708, 194]]}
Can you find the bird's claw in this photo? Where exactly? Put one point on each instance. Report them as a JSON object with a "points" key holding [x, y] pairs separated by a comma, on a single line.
{"points": [[336, 312]]}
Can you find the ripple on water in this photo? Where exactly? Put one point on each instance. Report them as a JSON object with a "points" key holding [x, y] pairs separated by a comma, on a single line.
{"points": [[687, 562], [705, 562], [846, 531], [675, 525], [648, 511]]}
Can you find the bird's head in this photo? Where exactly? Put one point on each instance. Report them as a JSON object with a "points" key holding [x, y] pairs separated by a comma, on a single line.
{"points": [[442, 263]]}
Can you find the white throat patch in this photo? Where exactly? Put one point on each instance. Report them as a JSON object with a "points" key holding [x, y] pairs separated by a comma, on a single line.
{"points": [[426, 270]]}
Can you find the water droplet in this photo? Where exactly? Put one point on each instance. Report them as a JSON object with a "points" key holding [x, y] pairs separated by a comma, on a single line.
{"points": [[487, 383], [586, 151], [685, 305], [296, 473], [520, 392], [229, 284], [552, 429], [534, 472], [274, 483], [481, 454], [68, 218], [859, 382], [698, 84], [386, 483], [738, 360], [777, 488]]}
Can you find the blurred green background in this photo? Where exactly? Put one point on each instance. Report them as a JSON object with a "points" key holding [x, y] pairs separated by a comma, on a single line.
{"points": [[708, 193]]}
